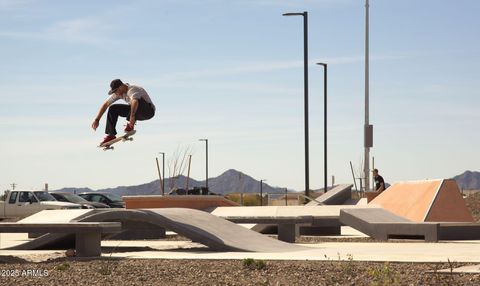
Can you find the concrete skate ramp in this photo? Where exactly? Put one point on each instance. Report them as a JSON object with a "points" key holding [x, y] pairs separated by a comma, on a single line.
{"points": [[431, 200], [381, 224], [214, 232], [325, 217], [336, 196]]}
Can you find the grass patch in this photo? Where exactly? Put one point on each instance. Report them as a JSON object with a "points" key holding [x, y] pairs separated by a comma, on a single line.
{"points": [[252, 264]]}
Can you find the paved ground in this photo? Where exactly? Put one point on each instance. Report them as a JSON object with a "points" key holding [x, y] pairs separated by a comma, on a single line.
{"points": [[458, 251]]}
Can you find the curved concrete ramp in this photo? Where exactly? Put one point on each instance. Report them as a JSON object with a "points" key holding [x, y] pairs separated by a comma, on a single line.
{"points": [[217, 233], [212, 231]]}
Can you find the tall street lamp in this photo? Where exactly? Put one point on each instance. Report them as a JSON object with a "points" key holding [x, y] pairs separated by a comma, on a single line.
{"points": [[325, 123], [368, 128], [305, 64], [206, 160], [162, 180], [261, 191]]}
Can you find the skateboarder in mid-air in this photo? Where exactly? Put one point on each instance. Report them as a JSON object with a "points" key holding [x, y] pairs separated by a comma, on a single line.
{"points": [[139, 107]]}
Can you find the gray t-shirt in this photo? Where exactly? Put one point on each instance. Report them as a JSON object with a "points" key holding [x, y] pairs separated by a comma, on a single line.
{"points": [[133, 92]]}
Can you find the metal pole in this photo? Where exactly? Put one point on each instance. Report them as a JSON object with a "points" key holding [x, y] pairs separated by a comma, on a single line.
{"points": [[353, 174], [261, 191], [305, 65], [366, 168], [373, 168], [188, 174], [325, 69], [159, 175], [206, 161], [162, 177], [286, 196], [163, 174]]}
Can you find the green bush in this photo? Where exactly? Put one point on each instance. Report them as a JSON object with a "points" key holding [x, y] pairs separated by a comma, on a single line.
{"points": [[384, 275], [253, 264], [62, 267]]}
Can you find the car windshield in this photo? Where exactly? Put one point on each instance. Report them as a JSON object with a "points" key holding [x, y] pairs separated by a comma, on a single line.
{"points": [[113, 197], [74, 198], [44, 196]]}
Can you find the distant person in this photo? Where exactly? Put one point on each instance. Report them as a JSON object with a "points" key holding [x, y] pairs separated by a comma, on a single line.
{"points": [[379, 182], [139, 107]]}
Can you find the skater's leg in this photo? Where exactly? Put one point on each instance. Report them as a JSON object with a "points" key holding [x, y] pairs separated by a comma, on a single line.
{"points": [[114, 111], [145, 110]]}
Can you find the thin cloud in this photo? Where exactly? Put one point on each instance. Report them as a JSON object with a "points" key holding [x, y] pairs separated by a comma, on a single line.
{"points": [[85, 31], [11, 5], [91, 30], [293, 3], [259, 67]]}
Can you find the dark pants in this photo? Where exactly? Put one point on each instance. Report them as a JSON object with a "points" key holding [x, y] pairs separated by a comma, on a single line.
{"points": [[145, 111]]}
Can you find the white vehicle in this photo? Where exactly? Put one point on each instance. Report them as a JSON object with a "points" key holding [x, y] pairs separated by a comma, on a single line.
{"points": [[23, 203]]}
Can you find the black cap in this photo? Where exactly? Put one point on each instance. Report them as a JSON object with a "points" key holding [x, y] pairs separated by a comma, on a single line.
{"points": [[114, 85]]}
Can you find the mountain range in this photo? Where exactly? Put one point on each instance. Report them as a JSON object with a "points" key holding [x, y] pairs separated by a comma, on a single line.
{"points": [[233, 181], [469, 180]]}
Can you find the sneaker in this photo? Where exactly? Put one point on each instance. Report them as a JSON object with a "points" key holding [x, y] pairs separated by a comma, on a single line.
{"points": [[129, 127], [107, 139]]}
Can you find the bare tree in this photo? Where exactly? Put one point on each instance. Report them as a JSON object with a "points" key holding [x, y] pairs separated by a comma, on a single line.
{"points": [[177, 164]]}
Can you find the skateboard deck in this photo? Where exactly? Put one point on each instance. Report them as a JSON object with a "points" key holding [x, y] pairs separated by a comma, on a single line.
{"points": [[125, 137]]}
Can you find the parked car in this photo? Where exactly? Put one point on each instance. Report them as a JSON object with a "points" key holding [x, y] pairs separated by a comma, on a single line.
{"points": [[193, 191], [112, 200], [23, 203], [72, 198]]}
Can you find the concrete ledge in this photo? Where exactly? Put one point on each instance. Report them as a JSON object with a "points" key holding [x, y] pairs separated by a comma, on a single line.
{"points": [[382, 225], [188, 201], [88, 235], [459, 231]]}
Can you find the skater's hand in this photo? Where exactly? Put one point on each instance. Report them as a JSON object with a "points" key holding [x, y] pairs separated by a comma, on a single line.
{"points": [[95, 124]]}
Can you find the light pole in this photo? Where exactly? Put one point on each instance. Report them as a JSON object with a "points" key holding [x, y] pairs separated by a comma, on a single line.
{"points": [[261, 191], [206, 160], [305, 65], [368, 129], [325, 123], [162, 177]]}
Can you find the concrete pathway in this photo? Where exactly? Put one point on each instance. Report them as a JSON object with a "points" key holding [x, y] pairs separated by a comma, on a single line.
{"points": [[332, 251]]}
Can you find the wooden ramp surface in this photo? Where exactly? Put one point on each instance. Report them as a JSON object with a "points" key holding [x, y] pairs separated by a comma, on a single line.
{"points": [[430, 200]]}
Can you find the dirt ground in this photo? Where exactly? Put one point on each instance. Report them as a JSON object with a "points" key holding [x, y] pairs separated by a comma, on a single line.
{"points": [[229, 272], [473, 203]]}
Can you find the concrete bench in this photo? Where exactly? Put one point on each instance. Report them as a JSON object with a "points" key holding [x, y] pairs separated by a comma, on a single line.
{"points": [[314, 220], [459, 231], [382, 225], [88, 235], [288, 227]]}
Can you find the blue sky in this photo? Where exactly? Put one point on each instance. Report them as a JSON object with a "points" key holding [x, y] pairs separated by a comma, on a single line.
{"points": [[232, 71]]}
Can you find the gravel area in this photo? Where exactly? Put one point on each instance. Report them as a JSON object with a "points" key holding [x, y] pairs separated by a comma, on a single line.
{"points": [[229, 272], [473, 203]]}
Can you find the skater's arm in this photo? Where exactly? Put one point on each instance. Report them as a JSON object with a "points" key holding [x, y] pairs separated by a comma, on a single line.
{"points": [[382, 188], [133, 110], [102, 110]]}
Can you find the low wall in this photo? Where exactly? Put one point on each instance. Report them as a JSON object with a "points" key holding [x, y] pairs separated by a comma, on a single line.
{"points": [[189, 201]]}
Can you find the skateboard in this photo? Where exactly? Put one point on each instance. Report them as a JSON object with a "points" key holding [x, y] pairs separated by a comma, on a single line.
{"points": [[125, 137]]}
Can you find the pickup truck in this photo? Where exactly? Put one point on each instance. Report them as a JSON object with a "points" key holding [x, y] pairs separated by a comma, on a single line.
{"points": [[23, 203]]}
